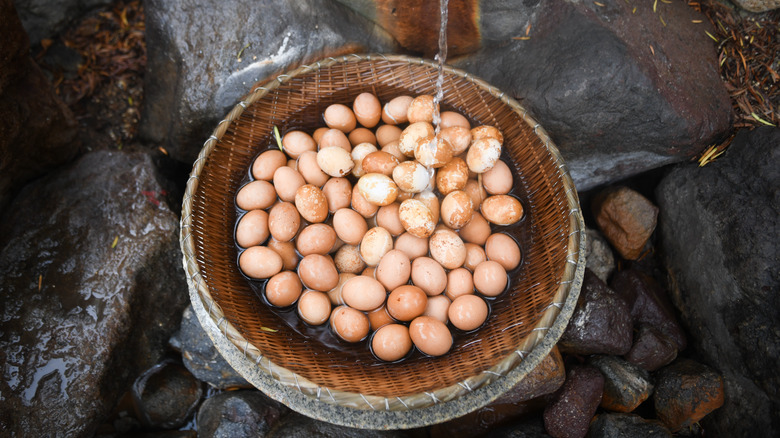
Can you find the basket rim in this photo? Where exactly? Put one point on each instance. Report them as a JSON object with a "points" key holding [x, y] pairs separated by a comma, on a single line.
{"points": [[358, 410]]}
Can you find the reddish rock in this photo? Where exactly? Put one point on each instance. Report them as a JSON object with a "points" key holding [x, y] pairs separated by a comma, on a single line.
{"points": [[651, 349], [685, 392], [569, 413], [626, 218], [626, 385]]}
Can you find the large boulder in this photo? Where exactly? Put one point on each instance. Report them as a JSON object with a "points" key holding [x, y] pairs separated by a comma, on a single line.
{"points": [[47, 18], [92, 288], [720, 227]]}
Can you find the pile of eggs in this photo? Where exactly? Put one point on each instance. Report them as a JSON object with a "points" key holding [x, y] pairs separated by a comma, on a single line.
{"points": [[382, 228]]}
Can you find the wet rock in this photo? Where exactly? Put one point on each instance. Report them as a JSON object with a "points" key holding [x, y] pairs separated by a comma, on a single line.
{"points": [[166, 395], [195, 76], [719, 227], [298, 426], [237, 414], [546, 378], [651, 349], [573, 406], [610, 425], [685, 392], [601, 323], [598, 254], [626, 218], [47, 18], [93, 287], [626, 385], [201, 357], [529, 428], [758, 5], [38, 130]]}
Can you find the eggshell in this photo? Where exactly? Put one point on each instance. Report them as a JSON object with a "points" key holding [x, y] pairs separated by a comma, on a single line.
{"points": [[266, 164], [283, 221], [252, 228], [361, 135], [349, 324], [349, 225], [297, 142], [283, 289], [483, 154], [447, 248], [386, 134], [502, 209], [379, 162], [431, 201], [394, 269], [433, 151], [311, 170], [334, 295], [457, 209], [335, 161], [286, 251], [437, 307], [487, 131], [459, 282], [452, 176], [256, 195], [377, 189], [459, 138], [406, 302], [474, 256], [318, 272], [451, 118], [468, 312], [341, 117], [409, 137], [286, 182], [498, 180], [334, 138], [314, 307], [421, 109], [411, 245], [367, 109], [411, 176], [416, 218], [490, 278], [362, 206], [315, 239], [379, 317], [338, 192], [504, 250], [476, 231], [375, 244], [394, 111], [259, 262], [430, 335], [363, 293], [311, 203], [428, 275], [358, 154], [476, 192], [347, 259], [391, 342]]}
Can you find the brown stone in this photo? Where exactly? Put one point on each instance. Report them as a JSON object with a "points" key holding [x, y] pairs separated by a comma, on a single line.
{"points": [[685, 392], [626, 218], [571, 409], [651, 349], [626, 385], [546, 378]]}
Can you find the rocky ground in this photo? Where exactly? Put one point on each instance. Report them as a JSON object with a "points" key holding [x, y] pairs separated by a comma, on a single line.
{"points": [[675, 330]]}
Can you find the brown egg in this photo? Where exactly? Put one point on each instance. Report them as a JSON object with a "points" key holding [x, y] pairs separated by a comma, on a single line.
{"points": [[335, 161], [394, 111], [430, 335], [292, 164], [318, 133], [315, 239], [428, 275], [347, 259], [379, 162], [349, 225], [362, 206], [452, 176], [437, 308], [252, 228], [433, 151], [375, 244], [334, 138], [411, 176], [394, 269], [409, 137], [297, 142], [486, 131], [358, 154], [388, 218], [367, 109], [421, 109], [411, 245], [447, 248], [392, 149], [504, 250], [311, 203], [314, 307], [349, 324], [502, 209], [361, 135], [256, 195], [363, 293], [283, 289], [451, 118], [334, 295], [286, 182], [391, 342], [459, 282], [483, 154], [431, 201], [338, 192], [459, 138], [490, 278], [338, 116], [259, 262], [416, 218], [377, 188], [498, 180], [468, 312], [311, 170], [476, 231], [266, 164], [474, 256], [476, 192], [403, 196], [457, 209], [379, 317], [283, 221], [318, 272], [406, 302], [286, 251], [369, 271]]}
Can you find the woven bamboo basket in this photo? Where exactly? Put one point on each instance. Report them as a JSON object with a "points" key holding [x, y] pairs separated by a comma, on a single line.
{"points": [[348, 385]]}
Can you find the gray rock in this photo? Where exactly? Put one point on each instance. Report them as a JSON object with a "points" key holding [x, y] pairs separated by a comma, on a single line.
{"points": [[47, 18], [298, 426], [92, 287], [610, 425], [194, 75], [599, 255], [166, 395], [758, 5], [238, 414], [530, 428], [626, 385], [201, 357], [720, 229], [573, 406]]}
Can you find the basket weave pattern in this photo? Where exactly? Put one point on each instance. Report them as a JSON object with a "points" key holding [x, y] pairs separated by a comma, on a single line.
{"points": [[549, 236]]}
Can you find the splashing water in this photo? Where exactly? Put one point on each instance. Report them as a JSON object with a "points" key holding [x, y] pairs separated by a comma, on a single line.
{"points": [[440, 57]]}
